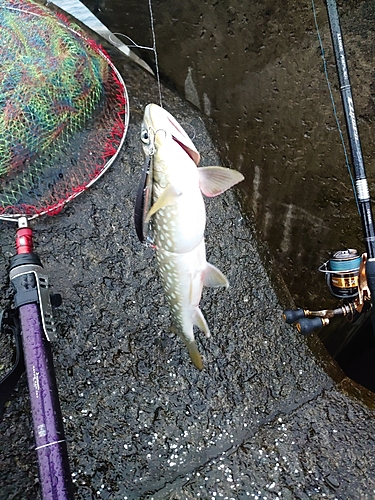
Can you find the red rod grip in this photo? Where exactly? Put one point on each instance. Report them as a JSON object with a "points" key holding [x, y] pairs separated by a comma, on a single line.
{"points": [[24, 240]]}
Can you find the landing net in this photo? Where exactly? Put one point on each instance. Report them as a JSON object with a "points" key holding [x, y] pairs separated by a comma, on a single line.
{"points": [[63, 110]]}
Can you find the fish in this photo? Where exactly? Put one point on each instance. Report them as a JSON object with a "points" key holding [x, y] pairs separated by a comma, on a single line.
{"points": [[170, 201]]}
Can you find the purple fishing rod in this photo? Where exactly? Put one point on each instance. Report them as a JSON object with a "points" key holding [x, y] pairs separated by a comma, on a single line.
{"points": [[33, 303]]}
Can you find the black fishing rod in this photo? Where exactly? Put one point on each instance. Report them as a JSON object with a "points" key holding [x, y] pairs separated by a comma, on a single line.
{"points": [[361, 185], [342, 273]]}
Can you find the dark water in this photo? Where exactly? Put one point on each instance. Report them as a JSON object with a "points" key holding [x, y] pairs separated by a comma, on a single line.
{"points": [[357, 358]]}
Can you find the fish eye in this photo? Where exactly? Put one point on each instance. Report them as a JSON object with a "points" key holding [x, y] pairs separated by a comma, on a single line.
{"points": [[145, 137]]}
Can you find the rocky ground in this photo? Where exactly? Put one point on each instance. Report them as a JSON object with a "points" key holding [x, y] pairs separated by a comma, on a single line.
{"points": [[263, 420]]}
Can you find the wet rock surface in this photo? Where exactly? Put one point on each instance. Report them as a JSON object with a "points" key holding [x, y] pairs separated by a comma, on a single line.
{"points": [[256, 69], [262, 420]]}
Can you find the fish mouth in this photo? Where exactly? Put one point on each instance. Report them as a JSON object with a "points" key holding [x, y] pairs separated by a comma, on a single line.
{"points": [[191, 153], [170, 125]]}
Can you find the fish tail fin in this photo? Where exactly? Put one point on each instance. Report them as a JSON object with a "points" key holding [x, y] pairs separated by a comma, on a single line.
{"points": [[193, 350], [194, 354], [191, 347], [198, 320]]}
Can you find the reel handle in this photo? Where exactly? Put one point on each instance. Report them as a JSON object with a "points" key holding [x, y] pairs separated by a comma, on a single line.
{"points": [[292, 315], [307, 325]]}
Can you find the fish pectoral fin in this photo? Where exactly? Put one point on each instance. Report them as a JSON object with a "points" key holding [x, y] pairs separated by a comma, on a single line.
{"points": [[200, 321], [168, 197], [215, 180], [213, 277]]}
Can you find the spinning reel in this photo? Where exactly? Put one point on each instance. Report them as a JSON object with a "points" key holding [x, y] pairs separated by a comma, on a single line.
{"points": [[349, 276], [345, 274]]}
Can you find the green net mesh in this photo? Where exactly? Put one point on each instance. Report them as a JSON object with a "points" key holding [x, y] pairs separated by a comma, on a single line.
{"points": [[62, 109]]}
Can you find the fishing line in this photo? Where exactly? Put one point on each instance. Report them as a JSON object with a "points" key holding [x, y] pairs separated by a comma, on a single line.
{"points": [[155, 51], [192, 135], [334, 105], [144, 47]]}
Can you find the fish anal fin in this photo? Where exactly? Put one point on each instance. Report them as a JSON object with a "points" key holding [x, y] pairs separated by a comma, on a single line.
{"points": [[200, 321], [213, 277], [215, 180], [168, 197]]}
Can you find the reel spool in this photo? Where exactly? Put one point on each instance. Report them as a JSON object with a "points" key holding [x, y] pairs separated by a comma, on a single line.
{"points": [[342, 274]]}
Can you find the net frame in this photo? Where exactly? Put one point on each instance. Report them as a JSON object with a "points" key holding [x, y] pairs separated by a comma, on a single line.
{"points": [[118, 130]]}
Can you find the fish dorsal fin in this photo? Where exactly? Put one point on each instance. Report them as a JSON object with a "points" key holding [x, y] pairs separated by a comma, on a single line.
{"points": [[200, 321], [213, 277], [168, 197], [215, 180]]}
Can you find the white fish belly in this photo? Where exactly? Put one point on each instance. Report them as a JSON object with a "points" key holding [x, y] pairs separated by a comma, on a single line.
{"points": [[182, 278], [180, 227]]}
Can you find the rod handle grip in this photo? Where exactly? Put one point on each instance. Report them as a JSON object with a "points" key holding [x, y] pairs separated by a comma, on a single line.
{"points": [[292, 315], [308, 325]]}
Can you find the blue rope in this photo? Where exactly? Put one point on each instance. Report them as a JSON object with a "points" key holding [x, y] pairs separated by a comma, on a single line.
{"points": [[334, 105]]}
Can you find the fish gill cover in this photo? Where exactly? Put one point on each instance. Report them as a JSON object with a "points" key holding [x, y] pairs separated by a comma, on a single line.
{"points": [[62, 109]]}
